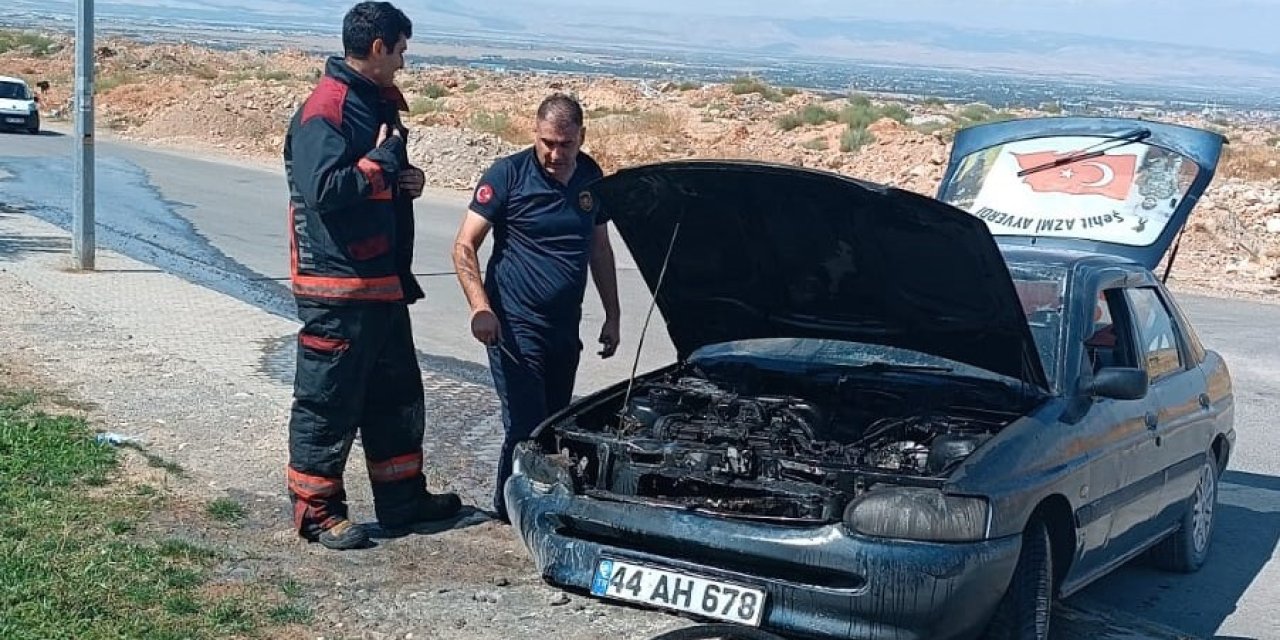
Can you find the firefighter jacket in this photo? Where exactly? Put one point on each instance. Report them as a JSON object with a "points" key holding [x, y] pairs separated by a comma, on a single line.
{"points": [[351, 229]]}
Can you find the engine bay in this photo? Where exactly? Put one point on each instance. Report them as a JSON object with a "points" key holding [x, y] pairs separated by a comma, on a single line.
{"points": [[751, 442]]}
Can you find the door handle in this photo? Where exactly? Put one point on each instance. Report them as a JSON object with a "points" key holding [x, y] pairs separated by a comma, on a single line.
{"points": [[1152, 421], [1204, 401]]}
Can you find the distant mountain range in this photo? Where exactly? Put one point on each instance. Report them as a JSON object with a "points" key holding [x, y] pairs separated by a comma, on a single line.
{"points": [[548, 23]]}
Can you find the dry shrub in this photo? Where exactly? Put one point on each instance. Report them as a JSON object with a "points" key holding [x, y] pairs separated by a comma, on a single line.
{"points": [[658, 122], [502, 125], [1250, 162]]}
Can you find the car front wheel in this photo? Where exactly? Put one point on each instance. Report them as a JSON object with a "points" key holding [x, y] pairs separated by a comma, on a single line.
{"points": [[1023, 612], [1185, 550]]}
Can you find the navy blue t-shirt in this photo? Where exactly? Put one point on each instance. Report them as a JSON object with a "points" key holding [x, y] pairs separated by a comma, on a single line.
{"points": [[537, 273]]}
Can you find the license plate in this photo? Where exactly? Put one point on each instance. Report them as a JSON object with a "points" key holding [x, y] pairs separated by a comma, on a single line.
{"points": [[678, 591], [15, 120]]}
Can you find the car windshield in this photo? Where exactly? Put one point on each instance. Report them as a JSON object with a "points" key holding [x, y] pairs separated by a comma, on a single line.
{"points": [[13, 91], [1107, 189], [1040, 290]]}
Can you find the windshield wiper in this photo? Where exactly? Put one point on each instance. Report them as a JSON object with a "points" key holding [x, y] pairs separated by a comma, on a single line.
{"points": [[1137, 135]]}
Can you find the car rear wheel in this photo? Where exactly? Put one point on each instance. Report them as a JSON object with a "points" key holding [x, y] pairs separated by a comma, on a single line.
{"points": [[1024, 611], [1185, 550]]}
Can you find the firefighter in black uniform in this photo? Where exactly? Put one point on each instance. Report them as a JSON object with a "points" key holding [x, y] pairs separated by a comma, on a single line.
{"points": [[351, 243]]}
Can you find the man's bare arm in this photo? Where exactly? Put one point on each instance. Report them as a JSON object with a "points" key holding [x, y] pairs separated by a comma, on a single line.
{"points": [[604, 272], [466, 259]]}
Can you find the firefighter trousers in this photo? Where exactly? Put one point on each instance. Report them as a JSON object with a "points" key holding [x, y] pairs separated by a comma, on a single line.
{"points": [[357, 373]]}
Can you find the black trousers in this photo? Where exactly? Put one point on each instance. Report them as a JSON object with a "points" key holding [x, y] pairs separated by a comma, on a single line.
{"points": [[357, 372], [535, 383]]}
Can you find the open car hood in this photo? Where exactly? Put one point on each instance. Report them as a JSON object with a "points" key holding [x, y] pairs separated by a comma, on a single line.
{"points": [[1129, 199], [764, 251]]}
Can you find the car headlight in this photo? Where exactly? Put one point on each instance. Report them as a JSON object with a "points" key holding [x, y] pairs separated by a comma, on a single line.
{"points": [[543, 474], [915, 513]]}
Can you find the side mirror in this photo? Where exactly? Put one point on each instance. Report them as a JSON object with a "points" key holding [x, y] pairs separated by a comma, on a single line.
{"points": [[1119, 383], [35, 98]]}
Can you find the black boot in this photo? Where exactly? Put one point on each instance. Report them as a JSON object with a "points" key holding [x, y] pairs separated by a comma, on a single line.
{"points": [[427, 515], [342, 536]]}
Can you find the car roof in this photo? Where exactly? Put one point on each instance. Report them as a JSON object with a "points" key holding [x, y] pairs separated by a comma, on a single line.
{"points": [[12, 79], [1103, 270], [1067, 258]]}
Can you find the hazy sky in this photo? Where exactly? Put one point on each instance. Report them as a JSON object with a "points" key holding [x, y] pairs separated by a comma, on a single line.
{"points": [[1240, 25], [1246, 25]]}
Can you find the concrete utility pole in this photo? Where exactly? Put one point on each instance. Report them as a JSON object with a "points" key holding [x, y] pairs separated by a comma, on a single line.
{"points": [[82, 225]]}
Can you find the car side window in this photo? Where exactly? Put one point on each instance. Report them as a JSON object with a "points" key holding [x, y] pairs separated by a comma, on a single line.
{"points": [[1158, 338], [1108, 342]]}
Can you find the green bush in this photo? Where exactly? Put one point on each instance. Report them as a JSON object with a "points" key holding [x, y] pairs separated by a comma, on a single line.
{"points": [[435, 91], [855, 138], [38, 44], [744, 85], [895, 112], [424, 105]]}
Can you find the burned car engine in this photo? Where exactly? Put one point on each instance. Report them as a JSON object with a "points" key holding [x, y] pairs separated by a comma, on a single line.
{"points": [[752, 443]]}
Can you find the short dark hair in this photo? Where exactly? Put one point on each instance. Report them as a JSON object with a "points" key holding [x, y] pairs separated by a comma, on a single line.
{"points": [[558, 108], [369, 21]]}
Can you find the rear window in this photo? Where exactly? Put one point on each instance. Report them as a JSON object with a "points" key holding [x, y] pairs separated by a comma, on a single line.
{"points": [[13, 91], [1126, 195]]}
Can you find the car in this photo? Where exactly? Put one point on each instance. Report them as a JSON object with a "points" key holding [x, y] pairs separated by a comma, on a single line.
{"points": [[893, 415], [19, 107]]}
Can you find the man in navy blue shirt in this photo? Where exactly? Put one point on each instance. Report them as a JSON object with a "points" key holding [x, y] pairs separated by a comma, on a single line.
{"points": [[547, 231]]}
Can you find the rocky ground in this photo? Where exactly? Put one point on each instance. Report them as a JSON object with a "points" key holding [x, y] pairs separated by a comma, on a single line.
{"points": [[239, 102]]}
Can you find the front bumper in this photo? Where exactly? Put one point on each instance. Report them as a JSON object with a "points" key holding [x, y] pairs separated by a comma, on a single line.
{"points": [[821, 582], [23, 121]]}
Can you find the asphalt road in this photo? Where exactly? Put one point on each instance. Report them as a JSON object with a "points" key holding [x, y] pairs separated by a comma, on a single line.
{"points": [[222, 224]]}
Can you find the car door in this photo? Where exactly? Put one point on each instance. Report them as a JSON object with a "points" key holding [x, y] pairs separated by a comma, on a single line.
{"points": [[1183, 418], [1124, 474]]}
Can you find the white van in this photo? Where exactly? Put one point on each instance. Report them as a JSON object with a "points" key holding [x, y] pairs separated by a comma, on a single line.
{"points": [[18, 106]]}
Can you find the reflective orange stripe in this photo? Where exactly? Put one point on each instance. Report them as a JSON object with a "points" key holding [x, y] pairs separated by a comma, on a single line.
{"points": [[385, 288], [311, 488], [380, 289], [373, 173], [320, 343], [398, 468]]}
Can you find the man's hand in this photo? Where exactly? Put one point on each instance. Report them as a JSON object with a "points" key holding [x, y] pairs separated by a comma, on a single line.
{"points": [[412, 180], [385, 132], [610, 336], [484, 326]]}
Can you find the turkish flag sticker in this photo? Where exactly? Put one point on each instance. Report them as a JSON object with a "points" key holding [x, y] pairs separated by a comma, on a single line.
{"points": [[484, 194], [1105, 175]]}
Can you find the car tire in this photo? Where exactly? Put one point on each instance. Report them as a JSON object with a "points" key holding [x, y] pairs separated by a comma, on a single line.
{"points": [[1025, 609], [1186, 549], [717, 632]]}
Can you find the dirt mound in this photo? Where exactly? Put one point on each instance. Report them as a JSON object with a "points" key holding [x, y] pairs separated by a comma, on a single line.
{"points": [[455, 158]]}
